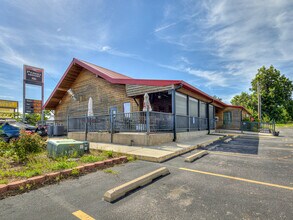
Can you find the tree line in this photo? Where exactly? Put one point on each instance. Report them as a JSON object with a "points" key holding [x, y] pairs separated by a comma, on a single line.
{"points": [[276, 96]]}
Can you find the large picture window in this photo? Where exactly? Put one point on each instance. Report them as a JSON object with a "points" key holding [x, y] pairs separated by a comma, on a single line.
{"points": [[193, 107], [181, 104], [203, 109], [211, 111]]}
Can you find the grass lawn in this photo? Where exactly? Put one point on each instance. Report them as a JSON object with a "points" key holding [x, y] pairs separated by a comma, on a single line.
{"points": [[39, 163], [289, 125]]}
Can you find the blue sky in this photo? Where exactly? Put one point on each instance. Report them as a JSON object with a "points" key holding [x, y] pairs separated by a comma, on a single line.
{"points": [[216, 46]]}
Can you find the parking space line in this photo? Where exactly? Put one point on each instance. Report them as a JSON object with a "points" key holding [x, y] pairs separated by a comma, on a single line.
{"points": [[238, 178], [81, 215]]}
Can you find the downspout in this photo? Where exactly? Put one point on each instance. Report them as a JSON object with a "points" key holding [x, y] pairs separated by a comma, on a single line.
{"points": [[174, 110], [208, 114]]}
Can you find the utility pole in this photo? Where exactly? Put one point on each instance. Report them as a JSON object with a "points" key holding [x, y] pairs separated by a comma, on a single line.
{"points": [[259, 101]]}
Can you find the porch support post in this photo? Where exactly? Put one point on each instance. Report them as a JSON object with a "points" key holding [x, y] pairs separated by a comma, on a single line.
{"points": [[174, 114], [241, 121], [188, 113], [111, 126], [214, 118], [67, 124], [199, 119], [148, 120], [86, 128], [208, 116]]}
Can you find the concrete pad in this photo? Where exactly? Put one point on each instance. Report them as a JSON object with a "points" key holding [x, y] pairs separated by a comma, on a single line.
{"points": [[196, 156], [120, 191], [150, 154], [114, 147], [159, 153]]}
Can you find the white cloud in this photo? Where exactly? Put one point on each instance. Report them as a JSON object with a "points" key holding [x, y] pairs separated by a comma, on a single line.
{"points": [[238, 37], [211, 78], [185, 60], [105, 48], [165, 27]]}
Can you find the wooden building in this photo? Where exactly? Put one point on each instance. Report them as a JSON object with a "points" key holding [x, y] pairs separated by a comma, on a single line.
{"points": [[114, 93]]}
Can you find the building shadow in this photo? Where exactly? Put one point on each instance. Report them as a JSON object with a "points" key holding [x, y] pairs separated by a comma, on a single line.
{"points": [[242, 144]]}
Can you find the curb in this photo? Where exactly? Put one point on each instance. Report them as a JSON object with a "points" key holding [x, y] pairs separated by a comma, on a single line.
{"points": [[227, 140], [20, 186], [120, 191], [184, 151], [16, 185], [196, 156]]}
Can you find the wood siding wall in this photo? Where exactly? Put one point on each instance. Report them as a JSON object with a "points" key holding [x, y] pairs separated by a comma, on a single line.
{"points": [[236, 117], [103, 93], [136, 90]]}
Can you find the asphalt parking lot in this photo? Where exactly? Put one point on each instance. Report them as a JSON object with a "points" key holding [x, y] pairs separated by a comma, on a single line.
{"points": [[250, 177]]}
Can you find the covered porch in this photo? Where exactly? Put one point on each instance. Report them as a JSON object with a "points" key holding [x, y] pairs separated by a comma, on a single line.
{"points": [[174, 115]]}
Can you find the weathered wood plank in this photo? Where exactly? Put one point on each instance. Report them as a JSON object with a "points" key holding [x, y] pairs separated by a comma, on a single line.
{"points": [[136, 90]]}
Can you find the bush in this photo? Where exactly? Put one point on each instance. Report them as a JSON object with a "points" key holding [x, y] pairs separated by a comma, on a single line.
{"points": [[27, 144], [108, 153], [3, 147]]}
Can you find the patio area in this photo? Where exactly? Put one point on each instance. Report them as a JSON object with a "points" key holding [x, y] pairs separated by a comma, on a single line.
{"points": [[161, 152]]}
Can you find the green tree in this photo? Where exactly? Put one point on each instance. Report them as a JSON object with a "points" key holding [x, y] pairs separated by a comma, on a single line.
{"points": [[217, 97], [246, 100], [276, 95], [34, 117]]}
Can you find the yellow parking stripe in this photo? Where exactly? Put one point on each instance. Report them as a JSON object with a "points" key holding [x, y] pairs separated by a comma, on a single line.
{"points": [[81, 215], [238, 178]]}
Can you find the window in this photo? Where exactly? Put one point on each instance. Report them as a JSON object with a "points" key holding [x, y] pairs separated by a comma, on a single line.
{"points": [[181, 104], [227, 118], [203, 109], [211, 111], [126, 107], [193, 107]]}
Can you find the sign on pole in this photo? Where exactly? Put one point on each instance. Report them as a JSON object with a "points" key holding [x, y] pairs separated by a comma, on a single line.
{"points": [[34, 76], [33, 106], [8, 108]]}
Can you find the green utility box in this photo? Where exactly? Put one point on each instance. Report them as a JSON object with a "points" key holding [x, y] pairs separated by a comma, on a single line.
{"points": [[67, 147]]}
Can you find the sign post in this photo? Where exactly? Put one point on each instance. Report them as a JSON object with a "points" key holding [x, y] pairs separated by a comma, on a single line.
{"points": [[34, 76]]}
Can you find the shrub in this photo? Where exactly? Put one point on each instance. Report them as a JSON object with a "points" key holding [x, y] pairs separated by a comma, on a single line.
{"points": [[27, 144], [3, 147], [108, 153]]}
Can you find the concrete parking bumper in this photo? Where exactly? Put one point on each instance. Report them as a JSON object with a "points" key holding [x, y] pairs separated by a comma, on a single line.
{"points": [[196, 156], [120, 191]]}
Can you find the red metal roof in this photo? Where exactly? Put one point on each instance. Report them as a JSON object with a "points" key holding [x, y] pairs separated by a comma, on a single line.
{"points": [[101, 70], [113, 77]]}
